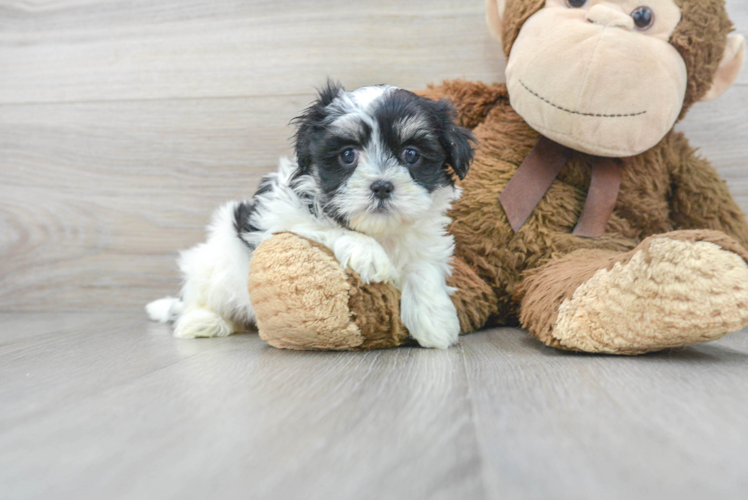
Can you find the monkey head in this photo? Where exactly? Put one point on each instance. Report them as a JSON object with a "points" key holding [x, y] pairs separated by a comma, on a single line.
{"points": [[611, 78]]}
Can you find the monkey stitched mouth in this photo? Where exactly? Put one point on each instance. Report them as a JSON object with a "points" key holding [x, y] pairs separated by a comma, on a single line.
{"points": [[597, 115]]}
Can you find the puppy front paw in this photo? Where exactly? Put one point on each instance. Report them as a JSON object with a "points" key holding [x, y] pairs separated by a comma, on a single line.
{"points": [[366, 257], [432, 323]]}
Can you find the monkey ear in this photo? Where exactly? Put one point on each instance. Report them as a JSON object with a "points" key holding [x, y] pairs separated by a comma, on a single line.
{"points": [[494, 14], [729, 68]]}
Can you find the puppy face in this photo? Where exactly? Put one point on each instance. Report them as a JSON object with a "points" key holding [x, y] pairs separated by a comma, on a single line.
{"points": [[380, 155]]}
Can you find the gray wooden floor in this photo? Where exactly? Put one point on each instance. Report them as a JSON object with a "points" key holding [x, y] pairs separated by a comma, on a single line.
{"points": [[111, 406]]}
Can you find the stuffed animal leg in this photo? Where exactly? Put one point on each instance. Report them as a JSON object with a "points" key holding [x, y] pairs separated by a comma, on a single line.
{"points": [[305, 300], [672, 290]]}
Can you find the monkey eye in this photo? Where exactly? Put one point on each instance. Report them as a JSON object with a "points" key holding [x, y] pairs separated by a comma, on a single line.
{"points": [[643, 18], [577, 4]]}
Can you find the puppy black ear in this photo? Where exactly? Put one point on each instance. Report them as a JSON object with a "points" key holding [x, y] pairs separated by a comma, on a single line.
{"points": [[456, 141], [311, 121], [461, 152]]}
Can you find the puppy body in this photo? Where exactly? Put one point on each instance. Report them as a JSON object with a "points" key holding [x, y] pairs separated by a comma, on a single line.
{"points": [[370, 183]]}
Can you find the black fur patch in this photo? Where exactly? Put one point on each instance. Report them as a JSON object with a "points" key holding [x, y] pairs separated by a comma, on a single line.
{"points": [[311, 122], [326, 149], [440, 142], [245, 210], [242, 214], [456, 141], [399, 107], [266, 185]]}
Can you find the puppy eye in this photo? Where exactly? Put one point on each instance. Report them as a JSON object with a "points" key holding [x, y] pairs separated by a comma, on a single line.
{"points": [[643, 18], [411, 156], [577, 4], [348, 157]]}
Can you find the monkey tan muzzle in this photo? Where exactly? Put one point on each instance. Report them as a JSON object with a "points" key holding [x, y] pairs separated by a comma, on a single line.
{"points": [[602, 88]]}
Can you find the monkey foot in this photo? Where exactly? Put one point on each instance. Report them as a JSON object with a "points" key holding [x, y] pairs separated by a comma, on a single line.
{"points": [[304, 300], [673, 290]]}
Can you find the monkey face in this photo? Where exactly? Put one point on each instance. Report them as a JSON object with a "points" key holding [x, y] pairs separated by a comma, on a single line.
{"points": [[599, 76]]}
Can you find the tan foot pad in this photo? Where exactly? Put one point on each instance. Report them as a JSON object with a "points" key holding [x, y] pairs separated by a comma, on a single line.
{"points": [[304, 300], [670, 294]]}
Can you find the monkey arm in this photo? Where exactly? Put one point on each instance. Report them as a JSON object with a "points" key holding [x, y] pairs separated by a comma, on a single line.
{"points": [[700, 199], [472, 100]]}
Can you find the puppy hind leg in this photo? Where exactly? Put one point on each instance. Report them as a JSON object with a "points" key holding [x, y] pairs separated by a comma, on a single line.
{"points": [[215, 282], [165, 310], [202, 323]]}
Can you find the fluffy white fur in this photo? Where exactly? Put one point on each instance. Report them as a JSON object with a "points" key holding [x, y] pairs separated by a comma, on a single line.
{"points": [[412, 256], [407, 244]]}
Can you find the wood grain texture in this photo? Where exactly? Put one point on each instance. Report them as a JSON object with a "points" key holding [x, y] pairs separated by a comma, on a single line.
{"points": [[124, 124], [89, 356], [119, 409], [98, 197], [101, 50], [19, 327], [120, 416], [670, 425]]}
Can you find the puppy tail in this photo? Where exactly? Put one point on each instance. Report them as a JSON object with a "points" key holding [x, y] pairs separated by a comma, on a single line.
{"points": [[165, 310]]}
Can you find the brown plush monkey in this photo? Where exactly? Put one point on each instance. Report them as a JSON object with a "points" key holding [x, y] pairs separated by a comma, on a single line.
{"points": [[606, 233]]}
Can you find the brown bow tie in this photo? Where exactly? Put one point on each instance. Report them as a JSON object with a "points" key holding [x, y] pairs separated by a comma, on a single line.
{"points": [[536, 174]]}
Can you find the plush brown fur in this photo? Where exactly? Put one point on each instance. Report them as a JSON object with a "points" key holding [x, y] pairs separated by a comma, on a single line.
{"points": [[304, 300], [664, 189], [545, 288], [515, 15], [700, 38], [376, 312], [530, 275], [474, 299], [301, 303]]}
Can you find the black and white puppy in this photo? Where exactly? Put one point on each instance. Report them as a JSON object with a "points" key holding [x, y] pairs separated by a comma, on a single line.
{"points": [[372, 181]]}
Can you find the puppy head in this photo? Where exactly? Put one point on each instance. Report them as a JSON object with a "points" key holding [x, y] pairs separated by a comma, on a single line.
{"points": [[381, 156]]}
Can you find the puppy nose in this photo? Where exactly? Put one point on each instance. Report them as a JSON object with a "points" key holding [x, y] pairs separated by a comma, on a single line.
{"points": [[382, 189]]}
